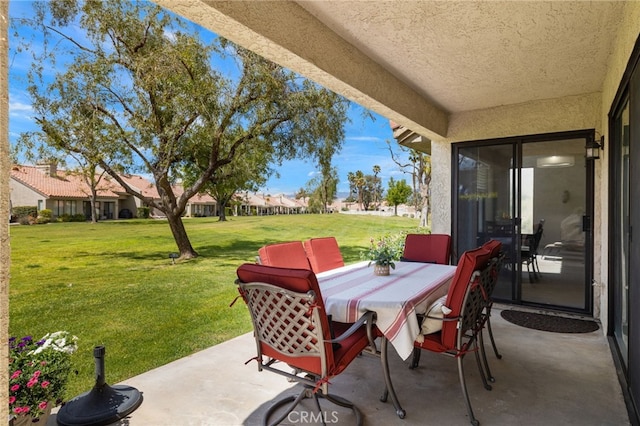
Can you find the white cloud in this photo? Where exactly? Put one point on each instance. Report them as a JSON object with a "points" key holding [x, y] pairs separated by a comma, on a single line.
{"points": [[19, 108], [364, 138]]}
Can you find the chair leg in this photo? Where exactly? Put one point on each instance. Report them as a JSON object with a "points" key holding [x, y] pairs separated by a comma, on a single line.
{"points": [[307, 392], [493, 342], [536, 266], [296, 400], [463, 384], [481, 369], [415, 359], [486, 370]]}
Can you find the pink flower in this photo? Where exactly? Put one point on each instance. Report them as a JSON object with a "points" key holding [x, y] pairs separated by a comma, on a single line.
{"points": [[15, 388], [12, 399], [36, 374], [16, 374], [32, 382], [42, 405], [44, 384], [43, 363], [21, 410]]}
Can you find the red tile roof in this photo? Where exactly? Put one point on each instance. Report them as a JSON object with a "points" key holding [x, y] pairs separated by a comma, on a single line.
{"points": [[62, 184]]}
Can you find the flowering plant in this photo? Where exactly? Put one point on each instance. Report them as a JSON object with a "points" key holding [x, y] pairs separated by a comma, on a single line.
{"points": [[39, 372], [384, 251]]}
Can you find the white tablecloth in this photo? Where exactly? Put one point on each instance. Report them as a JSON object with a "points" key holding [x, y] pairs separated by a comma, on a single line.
{"points": [[350, 291]]}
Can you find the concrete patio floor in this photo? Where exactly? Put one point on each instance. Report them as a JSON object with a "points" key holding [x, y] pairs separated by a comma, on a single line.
{"points": [[543, 379]]}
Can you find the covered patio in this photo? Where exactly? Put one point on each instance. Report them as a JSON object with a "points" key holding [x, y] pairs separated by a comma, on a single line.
{"points": [[543, 378]]}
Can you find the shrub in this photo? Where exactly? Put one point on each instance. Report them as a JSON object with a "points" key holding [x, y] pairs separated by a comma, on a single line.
{"points": [[24, 214], [78, 217], [44, 216], [143, 212]]}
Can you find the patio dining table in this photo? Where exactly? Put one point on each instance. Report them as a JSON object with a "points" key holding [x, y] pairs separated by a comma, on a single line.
{"points": [[397, 299]]}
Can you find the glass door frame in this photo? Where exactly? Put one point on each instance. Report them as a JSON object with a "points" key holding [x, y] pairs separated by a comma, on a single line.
{"points": [[516, 270]]}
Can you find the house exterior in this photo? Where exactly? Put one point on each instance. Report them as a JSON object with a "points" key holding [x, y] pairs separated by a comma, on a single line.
{"points": [[66, 193], [511, 100]]}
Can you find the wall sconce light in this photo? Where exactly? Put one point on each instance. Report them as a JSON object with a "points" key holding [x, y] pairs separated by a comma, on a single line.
{"points": [[592, 149]]}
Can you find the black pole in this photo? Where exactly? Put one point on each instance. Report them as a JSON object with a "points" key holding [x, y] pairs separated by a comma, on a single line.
{"points": [[102, 405]]}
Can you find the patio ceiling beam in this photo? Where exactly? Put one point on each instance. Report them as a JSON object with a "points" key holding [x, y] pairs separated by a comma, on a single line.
{"points": [[288, 35]]}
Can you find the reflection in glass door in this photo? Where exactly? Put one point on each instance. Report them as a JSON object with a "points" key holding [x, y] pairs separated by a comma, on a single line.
{"points": [[621, 231], [553, 194], [531, 194], [484, 205]]}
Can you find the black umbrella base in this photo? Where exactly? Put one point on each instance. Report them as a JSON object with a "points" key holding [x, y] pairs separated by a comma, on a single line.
{"points": [[101, 406]]}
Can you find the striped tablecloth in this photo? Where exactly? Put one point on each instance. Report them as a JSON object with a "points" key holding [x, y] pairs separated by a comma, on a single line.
{"points": [[350, 291]]}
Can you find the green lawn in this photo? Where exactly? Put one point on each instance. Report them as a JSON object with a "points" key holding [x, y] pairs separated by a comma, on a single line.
{"points": [[113, 284]]}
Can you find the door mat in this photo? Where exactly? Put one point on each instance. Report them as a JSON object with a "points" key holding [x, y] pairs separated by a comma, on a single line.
{"points": [[551, 323]]}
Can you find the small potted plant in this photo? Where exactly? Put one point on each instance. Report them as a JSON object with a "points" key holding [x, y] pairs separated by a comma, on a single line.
{"points": [[383, 253], [39, 370]]}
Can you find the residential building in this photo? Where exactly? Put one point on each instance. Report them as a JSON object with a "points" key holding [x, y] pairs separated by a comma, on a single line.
{"points": [[68, 193]]}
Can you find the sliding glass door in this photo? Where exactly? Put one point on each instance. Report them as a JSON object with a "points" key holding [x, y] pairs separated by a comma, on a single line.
{"points": [[531, 194]]}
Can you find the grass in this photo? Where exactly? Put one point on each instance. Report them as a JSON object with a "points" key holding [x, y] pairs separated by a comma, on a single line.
{"points": [[113, 284]]}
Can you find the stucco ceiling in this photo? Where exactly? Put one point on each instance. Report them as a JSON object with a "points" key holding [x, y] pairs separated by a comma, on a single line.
{"points": [[473, 55], [419, 62]]}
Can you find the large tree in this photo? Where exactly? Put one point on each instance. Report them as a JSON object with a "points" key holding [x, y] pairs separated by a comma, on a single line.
{"points": [[149, 91], [322, 189], [419, 167], [398, 193]]}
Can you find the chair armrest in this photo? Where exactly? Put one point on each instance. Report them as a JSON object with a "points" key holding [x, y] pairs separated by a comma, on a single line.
{"points": [[369, 318], [443, 319]]}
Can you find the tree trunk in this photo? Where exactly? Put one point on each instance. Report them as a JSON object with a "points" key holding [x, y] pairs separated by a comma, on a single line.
{"points": [[180, 236], [223, 213], [94, 196]]}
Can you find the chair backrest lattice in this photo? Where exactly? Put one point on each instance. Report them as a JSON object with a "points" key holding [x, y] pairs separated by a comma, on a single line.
{"points": [[474, 302], [284, 319], [490, 278], [289, 320]]}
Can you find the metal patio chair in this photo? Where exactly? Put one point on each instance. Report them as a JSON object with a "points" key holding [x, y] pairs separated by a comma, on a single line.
{"points": [[497, 260], [461, 326], [529, 254], [292, 331]]}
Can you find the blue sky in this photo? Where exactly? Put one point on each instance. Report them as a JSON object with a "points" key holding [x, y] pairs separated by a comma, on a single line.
{"points": [[364, 145]]}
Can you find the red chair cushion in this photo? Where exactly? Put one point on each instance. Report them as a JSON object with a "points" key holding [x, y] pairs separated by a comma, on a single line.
{"points": [[432, 248], [284, 255], [470, 261], [323, 253], [494, 247]]}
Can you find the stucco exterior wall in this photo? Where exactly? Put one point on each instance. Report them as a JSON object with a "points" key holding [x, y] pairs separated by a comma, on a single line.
{"points": [[545, 116], [22, 195], [5, 251]]}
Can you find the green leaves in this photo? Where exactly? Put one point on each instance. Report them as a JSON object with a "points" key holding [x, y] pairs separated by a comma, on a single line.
{"points": [[138, 92]]}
